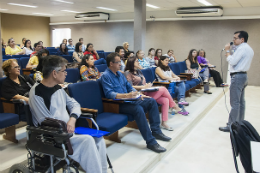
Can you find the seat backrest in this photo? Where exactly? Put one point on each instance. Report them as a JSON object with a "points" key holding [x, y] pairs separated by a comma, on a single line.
{"points": [[182, 66], [87, 94], [73, 75], [68, 58], [148, 74], [100, 50], [106, 53], [175, 68], [101, 54], [24, 61], [3, 51], [101, 67]]}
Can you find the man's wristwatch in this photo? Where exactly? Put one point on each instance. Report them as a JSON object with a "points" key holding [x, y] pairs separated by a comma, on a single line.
{"points": [[227, 51]]}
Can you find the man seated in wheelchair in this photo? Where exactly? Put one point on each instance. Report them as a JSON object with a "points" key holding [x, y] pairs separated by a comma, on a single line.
{"points": [[48, 100]]}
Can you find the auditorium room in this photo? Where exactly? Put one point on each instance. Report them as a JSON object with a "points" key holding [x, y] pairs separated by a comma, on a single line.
{"points": [[129, 86]]}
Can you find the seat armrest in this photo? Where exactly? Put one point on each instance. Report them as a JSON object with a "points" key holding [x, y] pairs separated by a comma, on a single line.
{"points": [[189, 75], [182, 76], [162, 83], [87, 115], [86, 110], [112, 101]]}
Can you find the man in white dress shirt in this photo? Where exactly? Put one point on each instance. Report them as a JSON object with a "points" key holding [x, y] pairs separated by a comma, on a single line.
{"points": [[239, 63]]}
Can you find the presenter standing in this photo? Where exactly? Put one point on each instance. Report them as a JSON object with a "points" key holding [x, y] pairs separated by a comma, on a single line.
{"points": [[239, 63]]}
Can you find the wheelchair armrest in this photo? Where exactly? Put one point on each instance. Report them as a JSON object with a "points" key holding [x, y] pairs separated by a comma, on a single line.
{"points": [[58, 137], [86, 115], [112, 101]]}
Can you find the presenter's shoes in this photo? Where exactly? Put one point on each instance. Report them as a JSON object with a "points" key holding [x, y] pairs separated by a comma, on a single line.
{"points": [[207, 92], [182, 101], [224, 129], [156, 148], [161, 137], [183, 112]]}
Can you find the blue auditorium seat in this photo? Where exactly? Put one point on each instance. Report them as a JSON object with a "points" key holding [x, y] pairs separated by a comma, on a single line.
{"points": [[3, 51], [148, 74], [7, 57], [101, 67], [24, 61], [101, 54], [88, 95], [100, 50], [73, 75], [68, 58], [107, 53]]}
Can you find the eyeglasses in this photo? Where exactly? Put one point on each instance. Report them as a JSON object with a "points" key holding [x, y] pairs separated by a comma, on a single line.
{"points": [[118, 62], [63, 71], [234, 38], [17, 66]]}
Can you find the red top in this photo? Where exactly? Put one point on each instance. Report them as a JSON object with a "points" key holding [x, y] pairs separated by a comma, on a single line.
{"points": [[156, 58], [94, 56], [32, 54]]}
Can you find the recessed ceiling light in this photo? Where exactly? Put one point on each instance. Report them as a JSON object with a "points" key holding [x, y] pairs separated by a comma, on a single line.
{"points": [[65, 1], [205, 2], [23, 5], [70, 11], [152, 6], [1, 9], [43, 14], [104, 8]]}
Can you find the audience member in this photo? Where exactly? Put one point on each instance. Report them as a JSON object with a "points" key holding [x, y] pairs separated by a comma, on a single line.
{"points": [[37, 48], [129, 54], [27, 49], [171, 56], [150, 57], [126, 46], [78, 54], [90, 50], [203, 62], [3, 43], [121, 53], [158, 54], [65, 41], [83, 46], [115, 86], [41, 44], [88, 71], [15, 86], [143, 63], [194, 67], [135, 77], [23, 43], [34, 61], [12, 48], [164, 73], [37, 76], [70, 46], [63, 49], [49, 100]]}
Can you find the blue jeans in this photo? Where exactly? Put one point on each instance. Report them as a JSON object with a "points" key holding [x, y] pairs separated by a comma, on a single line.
{"points": [[180, 89], [237, 97], [137, 109], [100, 61]]}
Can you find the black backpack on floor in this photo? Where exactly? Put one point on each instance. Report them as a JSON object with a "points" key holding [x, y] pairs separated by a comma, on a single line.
{"points": [[241, 133]]}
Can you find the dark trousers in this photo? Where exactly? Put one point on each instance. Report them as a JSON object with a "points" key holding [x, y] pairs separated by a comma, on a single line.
{"points": [[216, 76], [137, 109]]}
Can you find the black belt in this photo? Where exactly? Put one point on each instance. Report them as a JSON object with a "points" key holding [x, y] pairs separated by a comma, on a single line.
{"points": [[241, 72]]}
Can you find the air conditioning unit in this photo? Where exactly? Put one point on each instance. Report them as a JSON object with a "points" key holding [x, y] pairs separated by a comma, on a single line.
{"points": [[200, 11], [93, 16]]}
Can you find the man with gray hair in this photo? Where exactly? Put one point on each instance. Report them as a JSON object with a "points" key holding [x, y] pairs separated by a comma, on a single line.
{"points": [[48, 99]]}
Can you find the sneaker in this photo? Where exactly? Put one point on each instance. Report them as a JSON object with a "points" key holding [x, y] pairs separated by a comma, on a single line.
{"points": [[182, 101], [183, 112]]}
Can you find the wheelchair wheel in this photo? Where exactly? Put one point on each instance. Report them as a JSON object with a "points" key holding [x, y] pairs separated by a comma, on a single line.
{"points": [[19, 168]]}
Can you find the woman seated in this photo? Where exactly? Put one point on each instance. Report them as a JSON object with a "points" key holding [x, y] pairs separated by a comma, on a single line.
{"points": [[194, 67], [15, 86], [78, 54], [27, 49], [164, 73], [65, 41], [88, 71], [158, 54], [90, 50], [63, 49], [23, 43], [3, 44], [34, 61], [150, 57], [126, 46], [37, 76], [171, 56], [143, 63], [203, 62], [163, 97], [12, 48]]}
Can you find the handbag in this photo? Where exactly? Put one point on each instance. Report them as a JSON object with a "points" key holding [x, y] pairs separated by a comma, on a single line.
{"points": [[195, 73]]}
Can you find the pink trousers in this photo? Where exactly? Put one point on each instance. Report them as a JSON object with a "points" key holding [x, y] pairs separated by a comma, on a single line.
{"points": [[163, 98]]}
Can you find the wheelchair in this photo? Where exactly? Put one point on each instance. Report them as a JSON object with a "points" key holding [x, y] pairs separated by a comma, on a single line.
{"points": [[48, 146]]}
